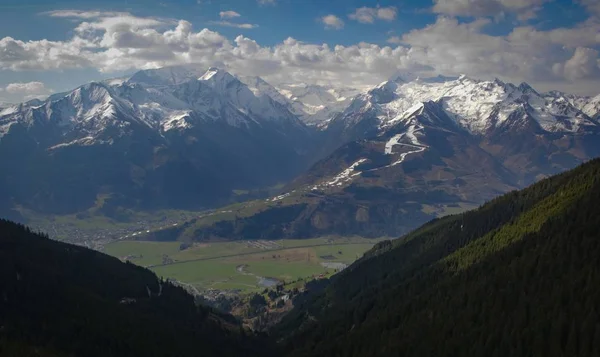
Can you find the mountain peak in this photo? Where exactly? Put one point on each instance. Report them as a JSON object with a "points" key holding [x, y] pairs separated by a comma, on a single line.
{"points": [[217, 78], [215, 74], [465, 78], [499, 82], [403, 77], [437, 79], [527, 89], [167, 75], [91, 92]]}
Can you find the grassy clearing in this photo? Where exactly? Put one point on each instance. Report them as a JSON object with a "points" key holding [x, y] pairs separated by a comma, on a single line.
{"points": [[344, 253], [142, 253], [445, 210], [214, 265], [216, 274], [286, 271]]}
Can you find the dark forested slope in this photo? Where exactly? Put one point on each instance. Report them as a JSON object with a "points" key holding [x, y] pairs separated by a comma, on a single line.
{"points": [[520, 276], [58, 299]]}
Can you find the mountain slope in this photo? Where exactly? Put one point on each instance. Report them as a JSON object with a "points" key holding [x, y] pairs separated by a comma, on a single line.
{"points": [[516, 277], [314, 104], [405, 152], [165, 138], [64, 300]]}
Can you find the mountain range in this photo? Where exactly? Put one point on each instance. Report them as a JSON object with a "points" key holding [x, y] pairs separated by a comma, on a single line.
{"points": [[409, 150], [376, 162]]}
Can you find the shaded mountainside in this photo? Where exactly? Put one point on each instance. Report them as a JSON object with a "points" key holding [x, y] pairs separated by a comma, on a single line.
{"points": [[517, 277], [161, 139], [63, 300], [386, 184]]}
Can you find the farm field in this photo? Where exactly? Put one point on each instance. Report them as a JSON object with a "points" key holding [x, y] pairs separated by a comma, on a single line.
{"points": [[242, 265]]}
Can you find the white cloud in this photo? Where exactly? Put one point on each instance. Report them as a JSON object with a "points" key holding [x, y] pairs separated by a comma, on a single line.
{"points": [[27, 90], [387, 13], [119, 42], [233, 24], [83, 14], [267, 2], [332, 22], [228, 14], [592, 6], [583, 65], [396, 40], [368, 15], [553, 56], [525, 9]]}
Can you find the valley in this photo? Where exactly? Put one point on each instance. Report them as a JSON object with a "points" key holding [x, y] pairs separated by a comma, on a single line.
{"points": [[229, 183], [243, 266], [276, 178]]}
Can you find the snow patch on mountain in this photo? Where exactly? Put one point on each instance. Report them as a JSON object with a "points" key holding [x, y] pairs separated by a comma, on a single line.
{"points": [[389, 146], [343, 177], [5, 127], [85, 141], [414, 147], [177, 121], [280, 197]]}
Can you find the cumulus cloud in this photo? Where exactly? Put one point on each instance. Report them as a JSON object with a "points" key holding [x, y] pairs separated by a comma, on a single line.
{"points": [[368, 15], [29, 87], [80, 14], [396, 40], [234, 24], [267, 2], [525, 9], [120, 41], [584, 64], [592, 6], [28, 90], [229, 14], [332, 22], [524, 54]]}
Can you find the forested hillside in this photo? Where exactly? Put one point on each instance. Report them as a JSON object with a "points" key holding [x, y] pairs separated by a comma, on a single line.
{"points": [[519, 276], [58, 299]]}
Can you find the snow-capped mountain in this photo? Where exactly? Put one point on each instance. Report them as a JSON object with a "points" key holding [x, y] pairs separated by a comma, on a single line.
{"points": [[478, 106], [408, 150], [316, 104], [507, 121], [588, 105], [161, 138], [188, 137], [163, 99], [592, 107]]}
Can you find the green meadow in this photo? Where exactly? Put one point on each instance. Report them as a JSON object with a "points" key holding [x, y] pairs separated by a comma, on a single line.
{"points": [[239, 265]]}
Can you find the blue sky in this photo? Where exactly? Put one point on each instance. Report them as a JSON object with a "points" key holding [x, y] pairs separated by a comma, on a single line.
{"points": [[54, 46]]}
